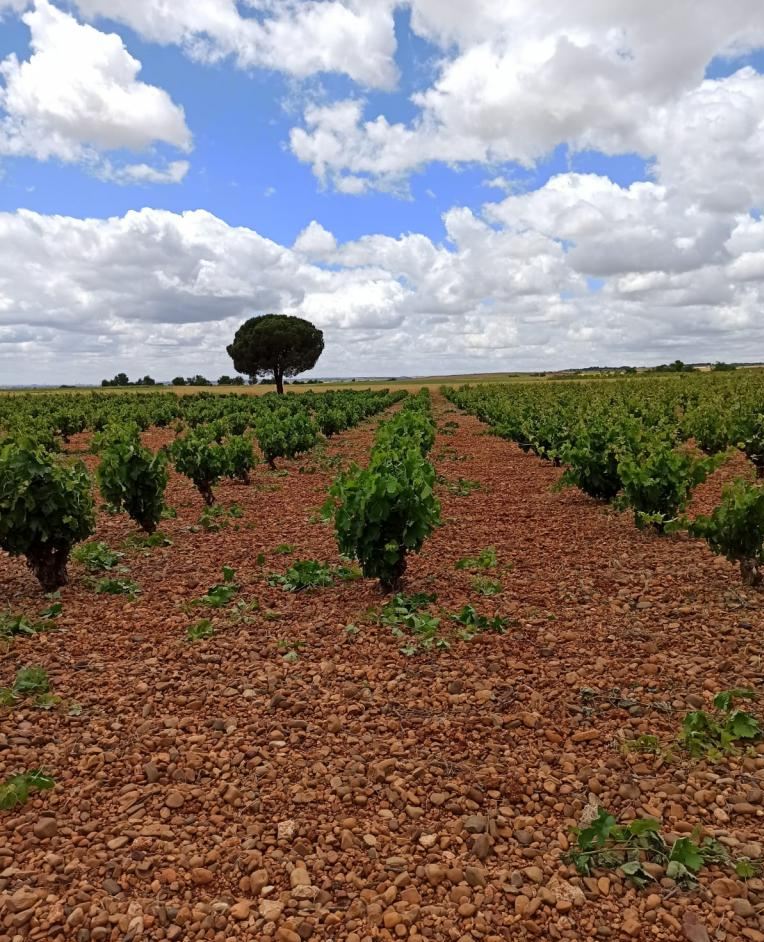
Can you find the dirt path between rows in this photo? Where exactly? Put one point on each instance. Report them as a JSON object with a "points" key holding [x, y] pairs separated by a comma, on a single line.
{"points": [[219, 790]]}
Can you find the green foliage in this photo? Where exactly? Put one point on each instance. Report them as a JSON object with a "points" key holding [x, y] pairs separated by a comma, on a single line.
{"points": [[282, 433], [12, 626], [15, 791], [735, 529], [485, 586], [474, 624], [405, 615], [645, 743], [752, 441], [96, 557], [147, 540], [720, 733], [131, 477], [240, 457], [277, 345], [486, 559], [388, 509], [604, 843], [117, 587], [592, 457], [221, 593], [45, 509], [31, 681], [290, 649], [199, 457], [658, 480], [401, 606], [311, 574], [200, 630], [462, 487]]}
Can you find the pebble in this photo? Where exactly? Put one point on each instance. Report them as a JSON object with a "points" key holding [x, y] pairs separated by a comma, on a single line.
{"points": [[45, 828]]}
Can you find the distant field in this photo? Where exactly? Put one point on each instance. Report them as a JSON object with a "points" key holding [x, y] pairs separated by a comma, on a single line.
{"points": [[410, 383]]}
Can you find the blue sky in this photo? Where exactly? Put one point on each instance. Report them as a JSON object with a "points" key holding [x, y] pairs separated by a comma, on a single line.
{"points": [[502, 178]]}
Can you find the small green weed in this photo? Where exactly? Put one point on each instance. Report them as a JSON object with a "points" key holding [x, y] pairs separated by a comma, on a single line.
{"points": [[284, 549], [647, 743], [485, 586], [215, 517], [15, 791], [474, 624], [311, 574], [400, 606], [290, 649], [461, 487], [53, 610], [720, 733], [606, 844], [118, 587], [221, 593], [405, 616], [486, 559], [12, 626], [147, 540], [96, 557], [200, 630], [31, 681]]}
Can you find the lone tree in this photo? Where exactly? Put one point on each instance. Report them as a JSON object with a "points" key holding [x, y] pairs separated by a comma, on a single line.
{"points": [[276, 344]]}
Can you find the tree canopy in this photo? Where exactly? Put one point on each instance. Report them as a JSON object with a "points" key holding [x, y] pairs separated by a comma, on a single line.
{"points": [[276, 344]]}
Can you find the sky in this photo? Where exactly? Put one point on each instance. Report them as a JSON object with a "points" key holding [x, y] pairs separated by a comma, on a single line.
{"points": [[440, 187]]}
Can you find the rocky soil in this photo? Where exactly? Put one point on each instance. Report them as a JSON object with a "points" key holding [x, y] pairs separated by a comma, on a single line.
{"points": [[221, 790]]}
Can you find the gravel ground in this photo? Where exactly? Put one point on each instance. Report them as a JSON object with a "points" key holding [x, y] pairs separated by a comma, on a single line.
{"points": [[218, 790]]}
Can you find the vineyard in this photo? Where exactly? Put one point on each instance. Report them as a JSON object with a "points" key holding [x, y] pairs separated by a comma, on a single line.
{"points": [[476, 665]]}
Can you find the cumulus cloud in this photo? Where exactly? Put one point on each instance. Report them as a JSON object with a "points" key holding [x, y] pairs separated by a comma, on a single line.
{"points": [[315, 241], [299, 37], [526, 77], [79, 95], [163, 292]]}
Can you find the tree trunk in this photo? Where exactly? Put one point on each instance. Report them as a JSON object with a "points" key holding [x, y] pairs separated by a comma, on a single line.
{"points": [[278, 377], [147, 525], [750, 572], [48, 563], [205, 489], [393, 581]]}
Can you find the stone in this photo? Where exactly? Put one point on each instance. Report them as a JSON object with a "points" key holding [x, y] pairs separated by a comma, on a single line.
{"points": [[534, 874], [271, 909], [475, 824], [240, 911], [174, 800], [435, 874], [201, 876], [45, 828], [299, 877], [482, 846], [741, 907]]}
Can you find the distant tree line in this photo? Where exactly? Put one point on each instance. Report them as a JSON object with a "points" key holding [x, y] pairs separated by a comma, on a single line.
{"points": [[122, 379]]}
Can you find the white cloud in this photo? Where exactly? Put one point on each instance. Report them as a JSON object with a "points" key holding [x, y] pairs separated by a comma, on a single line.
{"points": [[299, 37], [78, 95], [174, 172], [159, 292], [315, 241], [527, 77]]}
